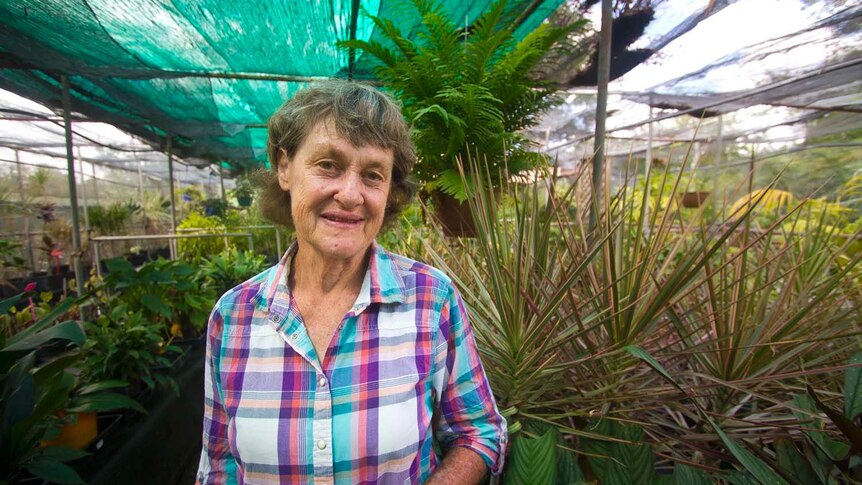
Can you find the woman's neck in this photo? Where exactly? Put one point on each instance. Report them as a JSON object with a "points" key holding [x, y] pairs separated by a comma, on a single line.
{"points": [[314, 274]]}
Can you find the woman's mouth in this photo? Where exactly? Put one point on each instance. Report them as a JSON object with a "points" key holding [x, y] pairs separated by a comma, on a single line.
{"points": [[342, 219]]}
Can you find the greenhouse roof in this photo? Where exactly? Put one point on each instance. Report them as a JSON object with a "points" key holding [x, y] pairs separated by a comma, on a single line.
{"points": [[207, 73]]}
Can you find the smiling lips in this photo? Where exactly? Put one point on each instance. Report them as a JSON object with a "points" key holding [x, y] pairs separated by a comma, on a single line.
{"points": [[342, 218]]}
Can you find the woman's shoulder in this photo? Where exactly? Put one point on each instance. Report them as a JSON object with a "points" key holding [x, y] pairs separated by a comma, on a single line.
{"points": [[249, 291], [411, 269]]}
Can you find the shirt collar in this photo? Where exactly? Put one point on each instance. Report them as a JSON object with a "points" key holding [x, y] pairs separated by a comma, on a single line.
{"points": [[382, 282]]}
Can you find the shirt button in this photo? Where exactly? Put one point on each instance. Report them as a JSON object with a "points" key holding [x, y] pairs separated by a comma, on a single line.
{"points": [[321, 444], [322, 382], [294, 336]]}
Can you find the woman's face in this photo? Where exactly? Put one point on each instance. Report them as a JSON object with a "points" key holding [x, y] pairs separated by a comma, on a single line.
{"points": [[338, 193]]}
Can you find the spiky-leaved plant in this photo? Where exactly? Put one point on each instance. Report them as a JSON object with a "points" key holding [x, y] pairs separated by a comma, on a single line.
{"points": [[740, 317], [465, 90]]}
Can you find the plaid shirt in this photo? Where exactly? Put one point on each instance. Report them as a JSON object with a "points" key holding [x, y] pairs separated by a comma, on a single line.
{"points": [[401, 368]]}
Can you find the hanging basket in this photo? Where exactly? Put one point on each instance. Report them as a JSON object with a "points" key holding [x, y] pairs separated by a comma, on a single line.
{"points": [[694, 199], [243, 201]]}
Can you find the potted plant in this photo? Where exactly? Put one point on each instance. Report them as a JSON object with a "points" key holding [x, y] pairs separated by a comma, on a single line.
{"points": [[467, 93], [41, 395], [214, 207], [243, 191]]}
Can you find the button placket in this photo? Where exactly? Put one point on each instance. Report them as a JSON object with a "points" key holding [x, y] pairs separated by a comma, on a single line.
{"points": [[322, 430]]}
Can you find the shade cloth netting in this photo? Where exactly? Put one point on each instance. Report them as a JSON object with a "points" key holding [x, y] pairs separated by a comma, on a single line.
{"points": [[207, 72]]}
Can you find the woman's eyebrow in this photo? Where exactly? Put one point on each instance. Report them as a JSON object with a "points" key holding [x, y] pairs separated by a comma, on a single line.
{"points": [[326, 150]]}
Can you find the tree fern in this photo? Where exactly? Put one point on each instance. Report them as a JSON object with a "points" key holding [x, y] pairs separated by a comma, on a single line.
{"points": [[465, 91]]}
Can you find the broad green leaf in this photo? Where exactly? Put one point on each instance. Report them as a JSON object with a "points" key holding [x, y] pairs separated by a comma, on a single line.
{"points": [[8, 303], [55, 367], [794, 462], [155, 304], [61, 453], [101, 386], [761, 471], [689, 475], [54, 472], [118, 265], [630, 464], [834, 450], [103, 401], [532, 461], [46, 321], [69, 330], [568, 470], [853, 388]]}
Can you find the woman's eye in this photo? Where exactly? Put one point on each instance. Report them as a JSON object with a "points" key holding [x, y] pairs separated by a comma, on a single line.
{"points": [[374, 177], [326, 165]]}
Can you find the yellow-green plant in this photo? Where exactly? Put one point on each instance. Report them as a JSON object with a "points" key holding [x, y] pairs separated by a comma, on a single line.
{"points": [[191, 248]]}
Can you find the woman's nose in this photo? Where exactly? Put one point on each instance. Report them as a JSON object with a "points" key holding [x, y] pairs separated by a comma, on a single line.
{"points": [[349, 193]]}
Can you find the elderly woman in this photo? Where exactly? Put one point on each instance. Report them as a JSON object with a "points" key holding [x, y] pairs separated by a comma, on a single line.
{"points": [[344, 363]]}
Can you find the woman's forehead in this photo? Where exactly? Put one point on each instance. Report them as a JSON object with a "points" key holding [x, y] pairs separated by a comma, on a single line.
{"points": [[325, 138]]}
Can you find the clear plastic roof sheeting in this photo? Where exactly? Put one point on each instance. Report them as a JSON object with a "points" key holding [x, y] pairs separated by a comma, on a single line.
{"points": [[755, 78], [208, 73], [33, 137]]}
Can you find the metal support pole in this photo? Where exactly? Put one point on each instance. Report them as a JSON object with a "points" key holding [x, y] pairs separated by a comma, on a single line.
{"points": [[83, 189], [95, 183], [73, 193], [173, 245], [221, 182], [751, 173], [604, 74], [30, 258], [141, 183]]}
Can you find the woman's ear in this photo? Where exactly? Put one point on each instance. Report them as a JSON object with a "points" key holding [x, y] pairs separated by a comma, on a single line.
{"points": [[283, 176]]}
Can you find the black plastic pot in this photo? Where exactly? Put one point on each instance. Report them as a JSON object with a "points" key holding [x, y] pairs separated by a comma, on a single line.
{"points": [[164, 253], [137, 259]]}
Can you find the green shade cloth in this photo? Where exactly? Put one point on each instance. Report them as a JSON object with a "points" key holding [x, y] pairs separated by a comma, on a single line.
{"points": [[208, 72]]}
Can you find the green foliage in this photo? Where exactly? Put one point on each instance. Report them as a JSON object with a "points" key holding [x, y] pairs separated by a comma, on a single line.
{"points": [[112, 220], [465, 93], [10, 259], [401, 237], [215, 207], [164, 292], [14, 319], [616, 462], [243, 188], [853, 388], [124, 346], [192, 248], [824, 459], [32, 392], [231, 267], [533, 461]]}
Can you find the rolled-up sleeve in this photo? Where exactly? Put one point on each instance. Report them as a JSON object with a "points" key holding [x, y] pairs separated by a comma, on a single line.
{"points": [[217, 465], [467, 414]]}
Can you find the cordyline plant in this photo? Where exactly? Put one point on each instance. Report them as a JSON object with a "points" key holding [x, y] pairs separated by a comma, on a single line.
{"points": [[733, 323]]}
